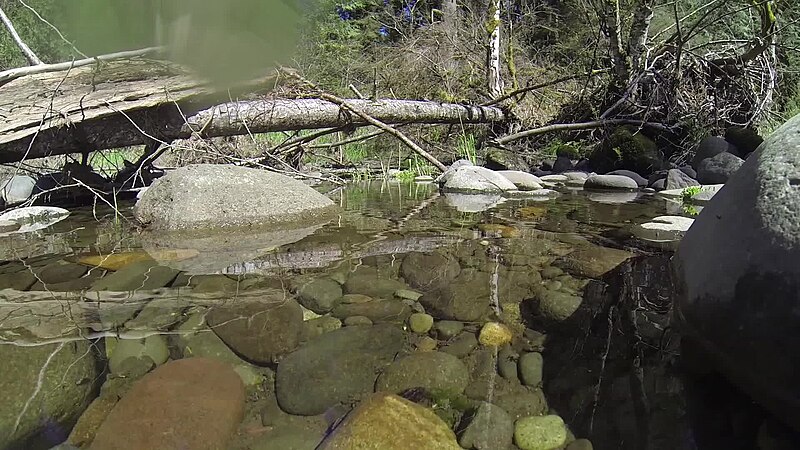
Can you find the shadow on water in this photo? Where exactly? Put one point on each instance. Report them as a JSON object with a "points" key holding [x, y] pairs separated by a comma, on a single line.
{"points": [[91, 305]]}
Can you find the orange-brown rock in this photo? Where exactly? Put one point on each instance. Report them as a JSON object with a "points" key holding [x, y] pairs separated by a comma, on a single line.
{"points": [[194, 403]]}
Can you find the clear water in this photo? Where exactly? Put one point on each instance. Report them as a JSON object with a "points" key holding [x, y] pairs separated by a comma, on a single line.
{"points": [[611, 383]]}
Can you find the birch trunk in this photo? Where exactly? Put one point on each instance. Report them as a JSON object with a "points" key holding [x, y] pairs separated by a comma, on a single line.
{"points": [[494, 75]]}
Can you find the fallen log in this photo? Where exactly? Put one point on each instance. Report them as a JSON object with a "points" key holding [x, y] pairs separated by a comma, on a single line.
{"points": [[120, 104]]}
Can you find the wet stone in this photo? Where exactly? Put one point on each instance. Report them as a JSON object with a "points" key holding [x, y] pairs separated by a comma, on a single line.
{"points": [[408, 294], [434, 371], [19, 281], [355, 298], [120, 351], [321, 325], [495, 334], [371, 283], [507, 364], [158, 314], [420, 323], [462, 345], [489, 428], [319, 295], [260, 331], [425, 344], [377, 311], [142, 275], [540, 433], [60, 272], [448, 329], [530, 368], [336, 367], [354, 321]]}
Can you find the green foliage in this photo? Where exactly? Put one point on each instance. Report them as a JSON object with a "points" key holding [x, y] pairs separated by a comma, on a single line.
{"points": [[465, 148], [45, 42], [109, 162], [355, 153], [557, 147], [689, 192]]}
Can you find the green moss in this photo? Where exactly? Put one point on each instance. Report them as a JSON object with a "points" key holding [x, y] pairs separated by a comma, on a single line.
{"points": [[627, 148]]}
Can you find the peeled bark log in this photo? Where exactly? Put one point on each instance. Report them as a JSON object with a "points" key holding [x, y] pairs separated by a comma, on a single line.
{"points": [[122, 104]]}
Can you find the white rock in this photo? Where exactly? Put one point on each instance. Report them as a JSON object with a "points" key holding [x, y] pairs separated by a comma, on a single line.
{"points": [[477, 179], [34, 218], [555, 178], [663, 229], [472, 202], [522, 180]]}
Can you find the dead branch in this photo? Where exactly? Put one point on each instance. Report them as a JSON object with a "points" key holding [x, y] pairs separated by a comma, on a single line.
{"points": [[535, 87], [12, 74], [579, 126], [29, 55]]}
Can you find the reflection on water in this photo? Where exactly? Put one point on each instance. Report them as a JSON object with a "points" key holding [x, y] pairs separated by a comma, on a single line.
{"points": [[103, 324]]}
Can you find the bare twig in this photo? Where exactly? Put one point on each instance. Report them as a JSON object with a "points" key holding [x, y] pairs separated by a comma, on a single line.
{"points": [[529, 88], [13, 74], [33, 60], [579, 126]]}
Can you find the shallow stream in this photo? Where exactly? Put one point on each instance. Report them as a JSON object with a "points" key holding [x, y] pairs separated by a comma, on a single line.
{"points": [[91, 304]]}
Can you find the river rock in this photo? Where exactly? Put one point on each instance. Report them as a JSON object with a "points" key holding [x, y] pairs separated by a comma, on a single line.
{"points": [[592, 261], [260, 331], [319, 295], [434, 371], [429, 270], [524, 181], [603, 182], [208, 196], [447, 329], [355, 321], [739, 280], [477, 179], [319, 326], [490, 428], [420, 323], [141, 275], [663, 229], [710, 147], [530, 368], [442, 179], [388, 422], [555, 306], [335, 367], [465, 299], [372, 284], [154, 348], [540, 433], [462, 345], [640, 180], [717, 169], [68, 374], [16, 189], [494, 334], [677, 179], [376, 311], [194, 403]]}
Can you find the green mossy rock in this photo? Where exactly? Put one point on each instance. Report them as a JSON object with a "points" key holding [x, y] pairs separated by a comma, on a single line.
{"points": [[627, 148]]}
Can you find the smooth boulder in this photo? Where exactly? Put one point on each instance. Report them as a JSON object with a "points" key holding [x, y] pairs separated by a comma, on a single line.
{"points": [[194, 403], [739, 280], [524, 181], [434, 371], [678, 179], [16, 189], [477, 179], [709, 147], [209, 196], [335, 367], [604, 182]]}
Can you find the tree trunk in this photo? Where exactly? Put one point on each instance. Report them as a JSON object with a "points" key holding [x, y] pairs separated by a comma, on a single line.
{"points": [[29, 55], [119, 127], [493, 73]]}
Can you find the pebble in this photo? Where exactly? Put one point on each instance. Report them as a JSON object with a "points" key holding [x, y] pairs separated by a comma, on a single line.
{"points": [[448, 329], [426, 344], [530, 368], [540, 433], [420, 323], [462, 345], [490, 428], [407, 294], [495, 334], [507, 364], [357, 320]]}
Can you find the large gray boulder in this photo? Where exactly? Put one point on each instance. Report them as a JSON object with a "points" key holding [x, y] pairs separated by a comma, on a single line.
{"points": [[209, 196], [739, 277], [710, 147]]}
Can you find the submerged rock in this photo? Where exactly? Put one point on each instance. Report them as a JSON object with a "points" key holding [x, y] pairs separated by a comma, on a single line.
{"points": [[335, 367], [45, 388], [138, 276], [427, 271], [389, 422], [262, 330], [490, 428], [739, 280], [194, 403], [434, 371], [540, 433], [212, 196]]}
